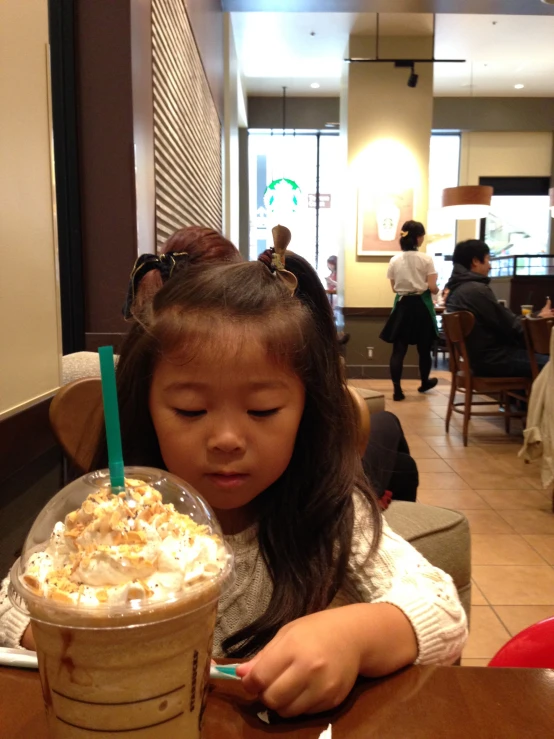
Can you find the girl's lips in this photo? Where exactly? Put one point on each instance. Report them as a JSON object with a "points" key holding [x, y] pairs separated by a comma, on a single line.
{"points": [[227, 481]]}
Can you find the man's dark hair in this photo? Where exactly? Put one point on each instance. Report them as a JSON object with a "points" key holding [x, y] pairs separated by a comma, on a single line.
{"points": [[466, 251]]}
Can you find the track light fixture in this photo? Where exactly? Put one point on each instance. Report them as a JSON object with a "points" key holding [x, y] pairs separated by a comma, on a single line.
{"points": [[408, 64]]}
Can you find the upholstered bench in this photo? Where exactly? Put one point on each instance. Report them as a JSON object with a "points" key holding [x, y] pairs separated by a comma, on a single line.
{"points": [[442, 536], [78, 365]]}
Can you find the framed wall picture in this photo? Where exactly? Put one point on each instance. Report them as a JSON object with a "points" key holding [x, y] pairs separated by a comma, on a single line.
{"points": [[380, 218]]}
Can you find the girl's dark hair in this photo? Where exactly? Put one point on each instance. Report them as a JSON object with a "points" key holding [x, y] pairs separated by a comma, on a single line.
{"points": [[413, 230], [466, 251], [311, 293], [306, 517], [332, 260]]}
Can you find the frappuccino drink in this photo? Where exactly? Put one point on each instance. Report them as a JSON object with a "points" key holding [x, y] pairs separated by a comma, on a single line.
{"points": [[122, 591]]}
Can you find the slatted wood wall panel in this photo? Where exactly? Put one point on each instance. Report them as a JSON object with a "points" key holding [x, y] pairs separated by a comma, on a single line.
{"points": [[187, 131]]}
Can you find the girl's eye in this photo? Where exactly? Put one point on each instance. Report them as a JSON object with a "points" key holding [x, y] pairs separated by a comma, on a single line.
{"points": [[189, 414], [264, 414]]}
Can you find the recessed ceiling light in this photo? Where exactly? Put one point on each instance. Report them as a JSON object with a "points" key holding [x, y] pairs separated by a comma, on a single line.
{"points": [[519, 86], [315, 85]]}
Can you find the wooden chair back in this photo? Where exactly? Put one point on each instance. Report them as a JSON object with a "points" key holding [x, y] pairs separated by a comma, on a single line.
{"points": [[456, 327], [76, 419], [537, 337], [363, 418]]}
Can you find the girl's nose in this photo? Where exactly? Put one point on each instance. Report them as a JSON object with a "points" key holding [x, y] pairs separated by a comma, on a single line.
{"points": [[226, 439]]}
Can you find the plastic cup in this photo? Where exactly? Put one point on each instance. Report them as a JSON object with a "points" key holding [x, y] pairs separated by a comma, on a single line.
{"points": [[526, 310], [140, 668]]}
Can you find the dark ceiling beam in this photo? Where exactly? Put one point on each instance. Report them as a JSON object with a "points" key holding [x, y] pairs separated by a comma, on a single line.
{"points": [[476, 7]]}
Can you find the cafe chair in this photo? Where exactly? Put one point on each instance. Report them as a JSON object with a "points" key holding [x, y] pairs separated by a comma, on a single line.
{"points": [[457, 326], [363, 418], [532, 647], [76, 418], [537, 337]]}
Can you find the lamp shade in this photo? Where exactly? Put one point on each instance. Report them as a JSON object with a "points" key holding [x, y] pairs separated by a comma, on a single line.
{"points": [[551, 193], [467, 201]]}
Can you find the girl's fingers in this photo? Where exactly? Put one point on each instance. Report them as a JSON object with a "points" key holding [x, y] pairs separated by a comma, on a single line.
{"points": [[246, 668], [285, 691], [268, 667]]}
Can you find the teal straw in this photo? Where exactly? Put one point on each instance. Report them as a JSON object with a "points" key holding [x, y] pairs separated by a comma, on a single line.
{"points": [[111, 418]]}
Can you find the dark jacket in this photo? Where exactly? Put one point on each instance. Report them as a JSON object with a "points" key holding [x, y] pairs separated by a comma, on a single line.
{"points": [[497, 331]]}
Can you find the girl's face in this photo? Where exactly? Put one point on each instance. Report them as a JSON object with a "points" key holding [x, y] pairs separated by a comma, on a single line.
{"points": [[226, 424]]}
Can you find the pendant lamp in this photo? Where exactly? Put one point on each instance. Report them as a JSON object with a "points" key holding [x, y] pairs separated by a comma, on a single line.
{"points": [[467, 202]]}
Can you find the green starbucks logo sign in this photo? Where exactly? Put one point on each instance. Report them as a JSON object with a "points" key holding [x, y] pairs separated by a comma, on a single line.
{"points": [[282, 196]]}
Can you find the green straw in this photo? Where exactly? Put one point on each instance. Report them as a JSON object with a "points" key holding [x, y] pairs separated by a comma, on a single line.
{"points": [[111, 418]]}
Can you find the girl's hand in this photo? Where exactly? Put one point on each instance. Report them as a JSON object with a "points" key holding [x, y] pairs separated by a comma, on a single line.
{"points": [[310, 666]]}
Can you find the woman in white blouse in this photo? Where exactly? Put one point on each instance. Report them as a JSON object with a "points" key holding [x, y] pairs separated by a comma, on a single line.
{"points": [[413, 278]]}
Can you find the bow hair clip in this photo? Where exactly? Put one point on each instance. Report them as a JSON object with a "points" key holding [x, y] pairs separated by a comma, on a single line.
{"points": [[281, 239]]}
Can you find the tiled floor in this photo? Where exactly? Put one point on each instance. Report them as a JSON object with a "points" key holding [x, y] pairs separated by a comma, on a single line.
{"points": [[510, 515]]}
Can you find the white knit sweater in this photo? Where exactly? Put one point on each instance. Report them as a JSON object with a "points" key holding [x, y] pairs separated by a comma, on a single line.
{"points": [[397, 574]]}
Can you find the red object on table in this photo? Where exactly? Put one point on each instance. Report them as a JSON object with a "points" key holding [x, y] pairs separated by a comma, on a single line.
{"points": [[532, 647]]}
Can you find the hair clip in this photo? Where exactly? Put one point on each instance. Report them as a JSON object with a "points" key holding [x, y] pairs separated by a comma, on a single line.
{"points": [[281, 239], [403, 234], [164, 263]]}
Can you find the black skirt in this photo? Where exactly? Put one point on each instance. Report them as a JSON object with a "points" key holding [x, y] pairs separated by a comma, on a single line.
{"points": [[410, 322]]}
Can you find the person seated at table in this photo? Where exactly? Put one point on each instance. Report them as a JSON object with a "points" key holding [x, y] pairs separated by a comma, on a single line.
{"points": [[387, 463], [496, 344], [226, 381]]}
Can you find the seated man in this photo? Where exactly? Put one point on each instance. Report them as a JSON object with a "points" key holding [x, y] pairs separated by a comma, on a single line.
{"points": [[496, 345]]}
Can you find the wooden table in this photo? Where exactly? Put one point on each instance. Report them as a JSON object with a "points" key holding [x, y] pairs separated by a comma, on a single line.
{"points": [[417, 703]]}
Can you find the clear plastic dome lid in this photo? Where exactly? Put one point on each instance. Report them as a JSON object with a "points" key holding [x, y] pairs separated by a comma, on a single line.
{"points": [[96, 553]]}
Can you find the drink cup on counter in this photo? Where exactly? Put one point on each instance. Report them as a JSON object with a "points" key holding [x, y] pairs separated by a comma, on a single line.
{"points": [[526, 310], [122, 592]]}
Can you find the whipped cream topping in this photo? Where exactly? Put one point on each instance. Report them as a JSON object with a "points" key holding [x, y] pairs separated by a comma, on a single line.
{"points": [[117, 548]]}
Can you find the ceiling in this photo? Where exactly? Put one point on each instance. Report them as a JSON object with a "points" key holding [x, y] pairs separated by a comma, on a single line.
{"points": [[505, 7], [298, 49]]}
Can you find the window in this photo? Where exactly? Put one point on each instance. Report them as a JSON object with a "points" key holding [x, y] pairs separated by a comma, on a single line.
{"points": [[444, 166], [285, 170], [519, 219]]}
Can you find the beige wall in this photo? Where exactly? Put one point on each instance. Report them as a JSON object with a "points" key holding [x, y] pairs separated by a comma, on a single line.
{"points": [[388, 129], [30, 343], [514, 154]]}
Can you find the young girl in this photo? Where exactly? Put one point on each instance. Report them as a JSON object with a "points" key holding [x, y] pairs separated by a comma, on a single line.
{"points": [[413, 278], [226, 381]]}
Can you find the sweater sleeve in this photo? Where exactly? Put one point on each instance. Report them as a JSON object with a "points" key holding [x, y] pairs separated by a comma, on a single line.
{"points": [[12, 622], [399, 575]]}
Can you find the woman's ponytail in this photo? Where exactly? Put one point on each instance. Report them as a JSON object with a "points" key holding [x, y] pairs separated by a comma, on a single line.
{"points": [[409, 235]]}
